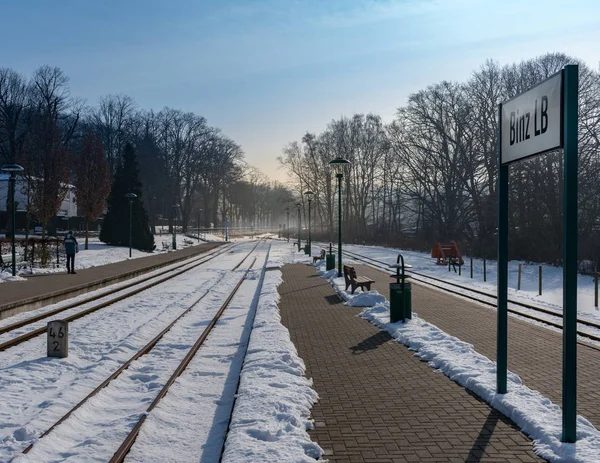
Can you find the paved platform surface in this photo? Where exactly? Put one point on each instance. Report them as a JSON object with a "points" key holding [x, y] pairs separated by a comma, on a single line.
{"points": [[17, 291], [534, 352], [378, 402]]}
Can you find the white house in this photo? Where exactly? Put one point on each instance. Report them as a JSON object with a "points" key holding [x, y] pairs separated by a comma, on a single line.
{"points": [[68, 207]]}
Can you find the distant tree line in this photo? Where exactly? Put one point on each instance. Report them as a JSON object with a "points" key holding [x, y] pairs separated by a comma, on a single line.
{"points": [[430, 175], [188, 169]]}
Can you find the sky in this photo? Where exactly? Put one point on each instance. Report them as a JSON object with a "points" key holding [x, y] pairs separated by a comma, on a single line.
{"points": [[268, 71]]}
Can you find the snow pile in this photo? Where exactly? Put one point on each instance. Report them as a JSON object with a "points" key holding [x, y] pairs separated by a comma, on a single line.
{"points": [[366, 299], [272, 411], [7, 276], [535, 414]]}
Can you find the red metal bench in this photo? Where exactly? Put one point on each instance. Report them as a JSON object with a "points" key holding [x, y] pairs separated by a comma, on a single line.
{"points": [[447, 254]]}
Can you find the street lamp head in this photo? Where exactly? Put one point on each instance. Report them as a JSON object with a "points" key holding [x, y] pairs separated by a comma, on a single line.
{"points": [[309, 194], [298, 205], [12, 168], [339, 165], [287, 209], [131, 196]]}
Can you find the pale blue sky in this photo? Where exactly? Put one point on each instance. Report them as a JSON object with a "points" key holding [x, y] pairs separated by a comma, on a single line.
{"points": [[266, 71]]}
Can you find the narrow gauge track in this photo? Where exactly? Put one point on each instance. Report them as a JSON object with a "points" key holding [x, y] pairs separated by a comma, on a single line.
{"points": [[138, 287], [130, 440], [127, 444], [380, 265]]}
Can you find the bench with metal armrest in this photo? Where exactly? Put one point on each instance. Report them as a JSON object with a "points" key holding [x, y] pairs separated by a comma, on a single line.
{"points": [[355, 281]]}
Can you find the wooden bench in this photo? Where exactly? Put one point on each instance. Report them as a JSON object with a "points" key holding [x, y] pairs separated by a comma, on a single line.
{"points": [[355, 281], [319, 257]]}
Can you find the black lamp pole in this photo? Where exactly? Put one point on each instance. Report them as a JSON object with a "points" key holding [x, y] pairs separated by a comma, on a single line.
{"points": [[175, 206], [309, 194], [298, 205], [131, 197], [13, 169], [287, 209], [339, 165]]}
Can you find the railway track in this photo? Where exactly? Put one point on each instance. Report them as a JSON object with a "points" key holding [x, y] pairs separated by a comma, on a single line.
{"points": [[484, 297], [129, 441], [126, 291]]}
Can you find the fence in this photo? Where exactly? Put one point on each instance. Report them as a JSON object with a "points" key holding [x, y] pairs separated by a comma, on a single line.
{"points": [[33, 253]]}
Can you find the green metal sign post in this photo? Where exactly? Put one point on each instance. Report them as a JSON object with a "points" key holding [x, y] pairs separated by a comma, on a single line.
{"points": [[569, 402], [537, 121], [502, 283]]}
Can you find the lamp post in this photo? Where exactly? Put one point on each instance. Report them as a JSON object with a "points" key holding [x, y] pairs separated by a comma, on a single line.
{"points": [[309, 194], [13, 169], [130, 197], [299, 205], [199, 210], [338, 165], [175, 206], [287, 209]]}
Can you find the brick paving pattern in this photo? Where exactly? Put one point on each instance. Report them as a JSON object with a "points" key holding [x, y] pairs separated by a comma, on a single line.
{"points": [[378, 403], [534, 352]]}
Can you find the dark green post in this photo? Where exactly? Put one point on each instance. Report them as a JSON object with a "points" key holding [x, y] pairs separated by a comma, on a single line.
{"points": [[502, 281], [339, 164], [175, 226], [13, 180], [299, 225], [287, 229], [130, 225], [308, 249], [339, 178], [595, 289], [569, 402], [309, 234], [13, 170], [131, 197]]}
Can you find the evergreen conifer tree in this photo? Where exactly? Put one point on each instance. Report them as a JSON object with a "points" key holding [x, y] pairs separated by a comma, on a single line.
{"points": [[115, 229]]}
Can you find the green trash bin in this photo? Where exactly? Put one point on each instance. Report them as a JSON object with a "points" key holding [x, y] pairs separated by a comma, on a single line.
{"points": [[400, 302], [330, 259], [400, 293]]}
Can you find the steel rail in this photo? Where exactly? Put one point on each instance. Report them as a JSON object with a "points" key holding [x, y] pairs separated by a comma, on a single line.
{"points": [[50, 313], [172, 274], [125, 447], [143, 351], [385, 266]]}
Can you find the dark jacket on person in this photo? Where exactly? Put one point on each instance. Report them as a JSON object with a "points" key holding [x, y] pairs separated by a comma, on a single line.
{"points": [[70, 244]]}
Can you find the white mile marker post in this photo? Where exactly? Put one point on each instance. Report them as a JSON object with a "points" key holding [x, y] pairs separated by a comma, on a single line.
{"points": [[58, 338]]}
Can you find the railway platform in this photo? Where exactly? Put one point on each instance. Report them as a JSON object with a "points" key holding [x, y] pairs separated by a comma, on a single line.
{"points": [[378, 402], [40, 290], [534, 352]]}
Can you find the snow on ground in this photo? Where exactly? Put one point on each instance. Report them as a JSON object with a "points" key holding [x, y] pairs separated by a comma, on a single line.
{"points": [[36, 390], [272, 412], [103, 254], [273, 404], [535, 414], [551, 278]]}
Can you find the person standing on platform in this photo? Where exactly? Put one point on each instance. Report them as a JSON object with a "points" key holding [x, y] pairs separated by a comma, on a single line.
{"points": [[71, 248]]}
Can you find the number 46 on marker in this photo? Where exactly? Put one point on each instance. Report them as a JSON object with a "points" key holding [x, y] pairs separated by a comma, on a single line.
{"points": [[58, 338]]}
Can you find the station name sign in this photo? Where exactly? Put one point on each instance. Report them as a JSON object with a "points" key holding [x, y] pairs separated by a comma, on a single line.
{"points": [[532, 122]]}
